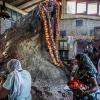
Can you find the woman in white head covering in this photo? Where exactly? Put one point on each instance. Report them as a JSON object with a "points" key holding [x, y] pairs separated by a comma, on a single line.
{"points": [[18, 82], [15, 66]]}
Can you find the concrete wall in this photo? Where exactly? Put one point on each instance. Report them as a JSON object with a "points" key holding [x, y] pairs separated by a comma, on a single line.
{"points": [[5, 24], [70, 26]]}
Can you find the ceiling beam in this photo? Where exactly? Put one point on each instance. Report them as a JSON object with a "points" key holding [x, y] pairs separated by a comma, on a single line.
{"points": [[28, 4], [30, 9], [14, 8], [15, 2], [21, 2], [10, 1]]}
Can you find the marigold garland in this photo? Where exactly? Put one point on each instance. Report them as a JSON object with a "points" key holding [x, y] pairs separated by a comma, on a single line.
{"points": [[53, 40], [52, 44]]}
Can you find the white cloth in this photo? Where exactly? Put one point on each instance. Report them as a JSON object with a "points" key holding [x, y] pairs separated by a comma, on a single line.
{"points": [[66, 87], [18, 81], [13, 66]]}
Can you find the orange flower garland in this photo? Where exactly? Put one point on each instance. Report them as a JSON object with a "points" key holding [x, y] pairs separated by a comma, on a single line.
{"points": [[52, 38], [49, 37]]}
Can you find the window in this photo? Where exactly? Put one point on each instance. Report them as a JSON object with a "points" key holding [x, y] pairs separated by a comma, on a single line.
{"points": [[63, 49], [63, 54], [63, 45], [92, 8], [87, 7], [79, 23], [19, 16], [63, 33], [14, 15], [9, 11], [12, 23], [71, 7], [99, 9], [81, 7]]}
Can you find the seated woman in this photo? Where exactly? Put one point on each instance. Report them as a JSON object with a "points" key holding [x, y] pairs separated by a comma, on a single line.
{"points": [[18, 83], [87, 73]]}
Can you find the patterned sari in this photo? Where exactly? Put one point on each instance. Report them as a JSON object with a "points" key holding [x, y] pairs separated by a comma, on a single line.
{"points": [[84, 73]]}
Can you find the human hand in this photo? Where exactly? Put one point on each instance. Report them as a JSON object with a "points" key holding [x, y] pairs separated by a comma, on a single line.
{"points": [[77, 91]]}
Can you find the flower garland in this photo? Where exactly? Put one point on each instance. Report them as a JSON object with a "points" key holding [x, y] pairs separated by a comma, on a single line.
{"points": [[53, 47]]}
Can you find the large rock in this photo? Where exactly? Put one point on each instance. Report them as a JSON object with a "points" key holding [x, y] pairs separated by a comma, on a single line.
{"points": [[26, 42]]}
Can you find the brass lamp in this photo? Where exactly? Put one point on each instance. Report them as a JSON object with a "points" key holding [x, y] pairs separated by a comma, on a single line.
{"points": [[4, 12]]}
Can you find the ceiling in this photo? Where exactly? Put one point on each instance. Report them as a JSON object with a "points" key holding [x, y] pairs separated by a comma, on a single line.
{"points": [[24, 5]]}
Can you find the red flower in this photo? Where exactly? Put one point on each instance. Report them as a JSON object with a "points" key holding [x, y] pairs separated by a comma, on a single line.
{"points": [[76, 84]]}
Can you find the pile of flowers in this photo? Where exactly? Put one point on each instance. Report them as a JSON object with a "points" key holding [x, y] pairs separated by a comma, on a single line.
{"points": [[76, 84]]}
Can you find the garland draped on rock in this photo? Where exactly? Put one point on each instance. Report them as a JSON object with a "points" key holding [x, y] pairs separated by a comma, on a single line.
{"points": [[52, 30]]}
